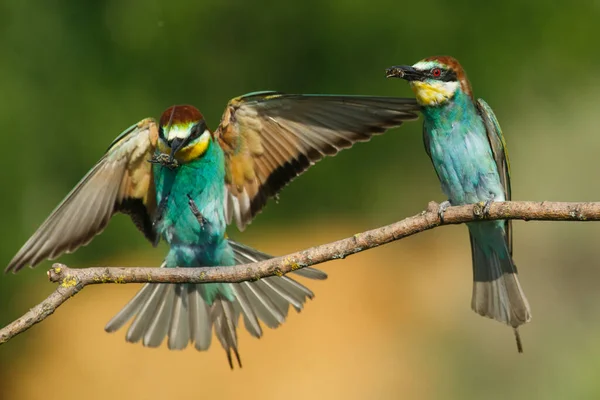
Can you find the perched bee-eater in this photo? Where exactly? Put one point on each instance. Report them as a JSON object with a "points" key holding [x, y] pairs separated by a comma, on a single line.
{"points": [[181, 182], [465, 143]]}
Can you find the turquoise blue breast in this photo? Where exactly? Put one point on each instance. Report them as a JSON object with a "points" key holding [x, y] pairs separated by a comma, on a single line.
{"points": [[460, 151], [193, 242]]}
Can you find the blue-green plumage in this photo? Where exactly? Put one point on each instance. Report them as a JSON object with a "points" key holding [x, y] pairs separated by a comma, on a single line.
{"points": [[201, 181], [190, 216], [457, 143], [195, 240], [465, 144], [197, 182]]}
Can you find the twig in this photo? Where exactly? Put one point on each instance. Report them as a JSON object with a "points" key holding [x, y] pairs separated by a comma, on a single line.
{"points": [[73, 280], [39, 312]]}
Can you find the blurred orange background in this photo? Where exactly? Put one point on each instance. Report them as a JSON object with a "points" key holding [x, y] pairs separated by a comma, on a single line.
{"points": [[390, 322]]}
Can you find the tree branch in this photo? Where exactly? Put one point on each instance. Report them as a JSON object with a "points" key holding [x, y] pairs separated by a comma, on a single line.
{"points": [[71, 281]]}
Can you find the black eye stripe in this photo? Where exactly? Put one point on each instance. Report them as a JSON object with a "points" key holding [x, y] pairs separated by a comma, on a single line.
{"points": [[446, 75], [197, 130]]}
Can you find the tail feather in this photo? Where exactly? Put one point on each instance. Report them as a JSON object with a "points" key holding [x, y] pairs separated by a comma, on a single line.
{"points": [[139, 326], [179, 330], [297, 287], [222, 313], [182, 312], [280, 303], [288, 298], [159, 326], [132, 308], [497, 293], [264, 307], [250, 319], [296, 296], [245, 255], [200, 322], [310, 273]]}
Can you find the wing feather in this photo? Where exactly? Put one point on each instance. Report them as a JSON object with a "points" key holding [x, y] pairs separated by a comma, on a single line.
{"points": [[270, 138], [498, 146], [120, 182]]}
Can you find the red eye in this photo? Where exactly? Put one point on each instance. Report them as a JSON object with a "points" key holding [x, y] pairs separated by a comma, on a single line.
{"points": [[436, 72]]}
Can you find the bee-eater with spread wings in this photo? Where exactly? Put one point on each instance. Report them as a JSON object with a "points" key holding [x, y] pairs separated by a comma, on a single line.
{"points": [[197, 182]]}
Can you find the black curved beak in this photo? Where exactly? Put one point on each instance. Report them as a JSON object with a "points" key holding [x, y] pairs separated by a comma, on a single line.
{"points": [[405, 72], [175, 144]]}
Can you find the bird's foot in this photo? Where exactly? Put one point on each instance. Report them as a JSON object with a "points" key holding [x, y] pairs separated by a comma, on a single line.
{"points": [[442, 209], [485, 206], [194, 208], [164, 160]]}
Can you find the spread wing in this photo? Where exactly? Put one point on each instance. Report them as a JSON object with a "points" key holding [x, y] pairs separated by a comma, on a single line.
{"points": [[120, 182], [270, 138], [498, 146]]}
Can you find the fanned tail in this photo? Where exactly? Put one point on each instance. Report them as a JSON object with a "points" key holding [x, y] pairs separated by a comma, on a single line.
{"points": [[497, 293], [186, 313]]}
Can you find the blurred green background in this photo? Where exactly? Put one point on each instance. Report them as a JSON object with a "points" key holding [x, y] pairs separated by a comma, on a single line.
{"points": [[392, 322]]}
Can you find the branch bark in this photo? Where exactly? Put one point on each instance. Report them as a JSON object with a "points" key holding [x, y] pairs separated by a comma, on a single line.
{"points": [[71, 281]]}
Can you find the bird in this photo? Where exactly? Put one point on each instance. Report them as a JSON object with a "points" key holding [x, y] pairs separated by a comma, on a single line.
{"points": [[183, 183], [465, 143]]}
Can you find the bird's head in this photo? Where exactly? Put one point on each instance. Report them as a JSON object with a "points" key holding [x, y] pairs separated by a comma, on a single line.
{"points": [[435, 80], [182, 133]]}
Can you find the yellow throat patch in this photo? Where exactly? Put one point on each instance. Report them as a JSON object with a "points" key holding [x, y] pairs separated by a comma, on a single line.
{"points": [[190, 152], [193, 150], [433, 94]]}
